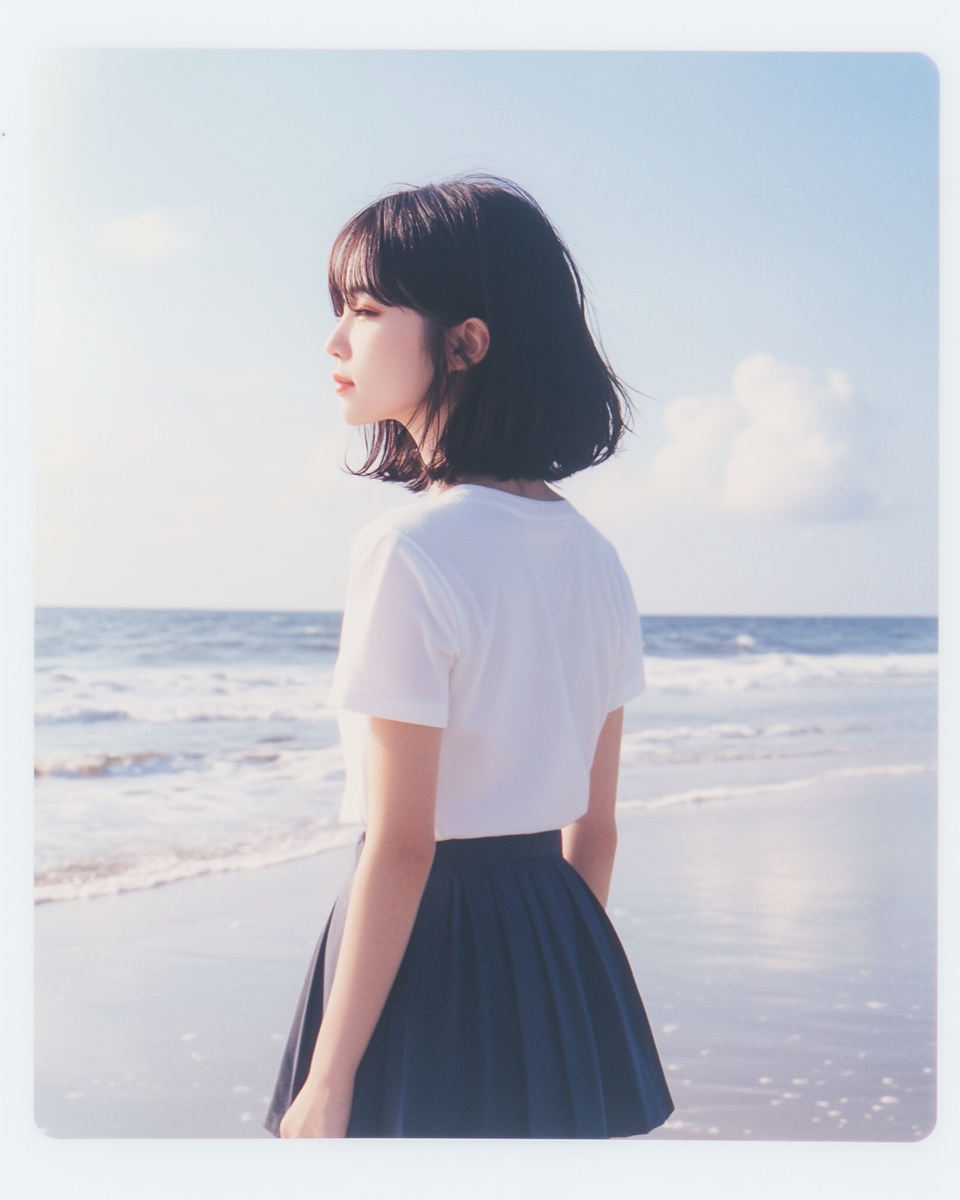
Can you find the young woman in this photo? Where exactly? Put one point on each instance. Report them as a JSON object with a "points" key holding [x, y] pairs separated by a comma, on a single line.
{"points": [[469, 983]]}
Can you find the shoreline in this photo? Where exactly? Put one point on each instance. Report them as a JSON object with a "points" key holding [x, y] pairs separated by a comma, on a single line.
{"points": [[107, 886]]}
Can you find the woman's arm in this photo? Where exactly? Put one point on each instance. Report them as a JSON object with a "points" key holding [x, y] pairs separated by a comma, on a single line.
{"points": [[389, 881], [590, 844]]}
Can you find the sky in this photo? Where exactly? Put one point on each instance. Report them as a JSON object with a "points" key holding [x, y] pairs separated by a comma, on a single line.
{"points": [[758, 232]]}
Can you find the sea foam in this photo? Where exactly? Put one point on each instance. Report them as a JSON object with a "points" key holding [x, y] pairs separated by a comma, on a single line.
{"points": [[701, 795], [698, 675], [86, 880], [164, 695]]}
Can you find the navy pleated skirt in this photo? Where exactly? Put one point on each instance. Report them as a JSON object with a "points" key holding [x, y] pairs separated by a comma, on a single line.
{"points": [[514, 1013]]}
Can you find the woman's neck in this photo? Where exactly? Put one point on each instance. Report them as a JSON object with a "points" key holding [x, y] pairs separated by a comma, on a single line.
{"points": [[530, 489]]}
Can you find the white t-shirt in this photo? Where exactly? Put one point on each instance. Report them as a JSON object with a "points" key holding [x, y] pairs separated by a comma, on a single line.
{"points": [[509, 623]]}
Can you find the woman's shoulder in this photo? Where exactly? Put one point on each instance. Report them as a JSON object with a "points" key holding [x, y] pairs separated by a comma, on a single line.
{"points": [[411, 522], [468, 527], [428, 520], [426, 537]]}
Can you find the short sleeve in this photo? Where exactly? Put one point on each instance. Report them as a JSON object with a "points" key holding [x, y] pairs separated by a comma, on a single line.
{"points": [[399, 638], [629, 680]]}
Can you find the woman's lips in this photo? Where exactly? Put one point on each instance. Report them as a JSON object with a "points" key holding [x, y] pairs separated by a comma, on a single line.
{"points": [[340, 384]]}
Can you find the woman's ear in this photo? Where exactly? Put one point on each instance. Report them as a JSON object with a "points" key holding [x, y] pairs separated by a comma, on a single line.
{"points": [[467, 344]]}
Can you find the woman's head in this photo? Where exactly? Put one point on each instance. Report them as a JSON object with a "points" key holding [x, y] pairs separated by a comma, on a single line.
{"points": [[534, 400]]}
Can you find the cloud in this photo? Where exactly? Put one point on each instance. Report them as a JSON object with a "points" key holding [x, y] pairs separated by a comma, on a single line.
{"points": [[146, 237], [779, 446]]}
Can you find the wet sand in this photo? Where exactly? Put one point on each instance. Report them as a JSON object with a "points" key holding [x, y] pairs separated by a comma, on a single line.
{"points": [[786, 954], [784, 947]]}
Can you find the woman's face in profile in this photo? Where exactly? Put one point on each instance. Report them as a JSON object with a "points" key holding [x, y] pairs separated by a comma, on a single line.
{"points": [[383, 369]]}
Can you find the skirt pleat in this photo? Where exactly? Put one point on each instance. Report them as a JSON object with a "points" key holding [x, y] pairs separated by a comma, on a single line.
{"points": [[514, 1013]]}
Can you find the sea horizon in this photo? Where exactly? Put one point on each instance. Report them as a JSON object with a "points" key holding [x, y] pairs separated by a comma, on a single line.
{"points": [[826, 616]]}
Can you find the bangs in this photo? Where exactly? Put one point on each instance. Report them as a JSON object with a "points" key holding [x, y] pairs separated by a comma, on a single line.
{"points": [[358, 264]]}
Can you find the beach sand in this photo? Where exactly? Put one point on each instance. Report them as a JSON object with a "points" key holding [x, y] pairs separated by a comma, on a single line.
{"points": [[783, 944]]}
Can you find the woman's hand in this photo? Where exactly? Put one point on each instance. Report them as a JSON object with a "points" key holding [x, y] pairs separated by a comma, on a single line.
{"points": [[319, 1111]]}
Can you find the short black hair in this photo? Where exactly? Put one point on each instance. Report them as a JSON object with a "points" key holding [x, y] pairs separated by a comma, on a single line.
{"points": [[543, 403]]}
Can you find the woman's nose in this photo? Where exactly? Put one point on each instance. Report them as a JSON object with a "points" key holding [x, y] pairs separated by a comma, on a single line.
{"points": [[337, 344]]}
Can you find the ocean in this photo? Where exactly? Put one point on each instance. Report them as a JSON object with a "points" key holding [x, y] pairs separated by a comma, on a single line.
{"points": [[175, 743]]}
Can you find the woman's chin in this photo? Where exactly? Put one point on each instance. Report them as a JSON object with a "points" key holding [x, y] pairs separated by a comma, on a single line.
{"points": [[352, 415], [363, 414]]}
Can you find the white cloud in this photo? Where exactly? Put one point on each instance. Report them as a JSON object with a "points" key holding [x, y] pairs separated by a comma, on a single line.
{"points": [[146, 237], [780, 446]]}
